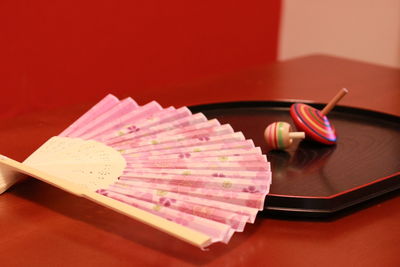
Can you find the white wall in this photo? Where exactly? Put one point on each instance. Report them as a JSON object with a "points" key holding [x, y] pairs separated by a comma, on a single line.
{"points": [[367, 30]]}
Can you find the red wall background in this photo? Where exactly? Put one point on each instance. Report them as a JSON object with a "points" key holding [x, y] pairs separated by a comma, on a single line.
{"points": [[56, 53]]}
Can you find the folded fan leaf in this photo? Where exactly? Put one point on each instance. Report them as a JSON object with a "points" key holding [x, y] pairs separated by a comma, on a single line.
{"points": [[168, 162]]}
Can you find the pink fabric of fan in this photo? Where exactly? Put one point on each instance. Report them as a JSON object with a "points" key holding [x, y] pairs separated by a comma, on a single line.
{"points": [[179, 166]]}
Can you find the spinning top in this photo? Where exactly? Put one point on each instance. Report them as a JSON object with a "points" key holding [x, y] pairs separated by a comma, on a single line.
{"points": [[278, 135], [314, 122]]}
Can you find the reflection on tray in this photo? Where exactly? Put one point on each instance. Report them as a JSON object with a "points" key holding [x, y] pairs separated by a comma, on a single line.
{"points": [[308, 157]]}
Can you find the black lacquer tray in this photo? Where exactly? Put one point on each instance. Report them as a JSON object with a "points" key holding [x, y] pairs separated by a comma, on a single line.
{"points": [[312, 179]]}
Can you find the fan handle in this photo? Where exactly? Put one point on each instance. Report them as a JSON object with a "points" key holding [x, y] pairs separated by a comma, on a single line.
{"points": [[11, 167]]}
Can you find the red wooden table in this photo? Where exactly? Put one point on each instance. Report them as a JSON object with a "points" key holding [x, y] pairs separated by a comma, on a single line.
{"points": [[43, 226]]}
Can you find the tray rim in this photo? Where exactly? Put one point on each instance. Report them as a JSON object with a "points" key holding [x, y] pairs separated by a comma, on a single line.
{"points": [[286, 103]]}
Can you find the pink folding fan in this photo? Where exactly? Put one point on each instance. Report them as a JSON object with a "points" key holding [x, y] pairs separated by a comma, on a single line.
{"points": [[179, 172]]}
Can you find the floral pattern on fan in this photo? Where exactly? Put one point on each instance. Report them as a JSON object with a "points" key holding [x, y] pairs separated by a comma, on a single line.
{"points": [[177, 165]]}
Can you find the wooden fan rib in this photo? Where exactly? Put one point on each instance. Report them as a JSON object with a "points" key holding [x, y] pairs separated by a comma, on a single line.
{"points": [[218, 232]]}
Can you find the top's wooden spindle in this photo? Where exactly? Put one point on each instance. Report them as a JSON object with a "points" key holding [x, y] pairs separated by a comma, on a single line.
{"points": [[334, 101]]}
